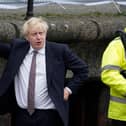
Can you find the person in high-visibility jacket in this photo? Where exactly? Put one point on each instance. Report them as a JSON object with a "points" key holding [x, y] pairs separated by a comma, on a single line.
{"points": [[113, 63]]}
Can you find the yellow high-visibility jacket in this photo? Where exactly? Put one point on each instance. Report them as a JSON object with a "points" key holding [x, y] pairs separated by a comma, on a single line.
{"points": [[113, 61]]}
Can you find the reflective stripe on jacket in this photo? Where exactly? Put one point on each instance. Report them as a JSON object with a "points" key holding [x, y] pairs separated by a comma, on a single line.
{"points": [[113, 61]]}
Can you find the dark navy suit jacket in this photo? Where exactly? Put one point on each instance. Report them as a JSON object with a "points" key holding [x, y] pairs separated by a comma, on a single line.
{"points": [[59, 59]]}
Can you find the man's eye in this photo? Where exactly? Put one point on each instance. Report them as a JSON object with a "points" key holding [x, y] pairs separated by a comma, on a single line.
{"points": [[34, 34], [41, 33]]}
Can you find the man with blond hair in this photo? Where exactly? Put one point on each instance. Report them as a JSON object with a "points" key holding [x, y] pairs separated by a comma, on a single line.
{"points": [[40, 90]]}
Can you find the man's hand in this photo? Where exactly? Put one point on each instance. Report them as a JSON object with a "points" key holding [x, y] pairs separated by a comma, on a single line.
{"points": [[66, 94]]}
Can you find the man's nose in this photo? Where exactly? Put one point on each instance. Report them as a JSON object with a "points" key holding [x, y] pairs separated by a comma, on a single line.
{"points": [[38, 36]]}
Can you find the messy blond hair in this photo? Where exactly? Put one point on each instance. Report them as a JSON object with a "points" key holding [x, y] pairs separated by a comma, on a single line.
{"points": [[33, 21]]}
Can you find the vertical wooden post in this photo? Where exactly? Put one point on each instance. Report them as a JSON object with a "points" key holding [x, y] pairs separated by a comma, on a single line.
{"points": [[29, 12]]}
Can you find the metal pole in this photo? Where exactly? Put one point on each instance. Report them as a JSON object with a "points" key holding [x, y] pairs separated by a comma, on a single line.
{"points": [[116, 5], [29, 12]]}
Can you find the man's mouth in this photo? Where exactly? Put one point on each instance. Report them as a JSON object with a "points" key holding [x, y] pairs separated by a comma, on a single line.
{"points": [[38, 43]]}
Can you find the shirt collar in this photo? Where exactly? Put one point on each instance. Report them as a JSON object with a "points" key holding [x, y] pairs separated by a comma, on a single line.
{"points": [[40, 51]]}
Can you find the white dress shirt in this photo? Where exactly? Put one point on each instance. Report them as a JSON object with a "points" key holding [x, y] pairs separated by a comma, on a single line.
{"points": [[42, 99]]}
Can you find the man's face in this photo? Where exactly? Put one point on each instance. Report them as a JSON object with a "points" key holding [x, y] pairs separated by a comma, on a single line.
{"points": [[36, 36]]}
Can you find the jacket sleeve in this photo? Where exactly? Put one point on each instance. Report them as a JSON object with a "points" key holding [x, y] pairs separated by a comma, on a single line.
{"points": [[77, 66], [5, 50], [112, 63]]}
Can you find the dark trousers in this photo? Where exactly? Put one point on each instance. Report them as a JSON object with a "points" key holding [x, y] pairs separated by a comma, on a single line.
{"points": [[38, 118], [118, 123]]}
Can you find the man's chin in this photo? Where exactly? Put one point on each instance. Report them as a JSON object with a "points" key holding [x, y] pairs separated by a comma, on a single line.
{"points": [[37, 47]]}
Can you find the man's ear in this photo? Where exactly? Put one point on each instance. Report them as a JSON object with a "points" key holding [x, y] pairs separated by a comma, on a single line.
{"points": [[26, 38]]}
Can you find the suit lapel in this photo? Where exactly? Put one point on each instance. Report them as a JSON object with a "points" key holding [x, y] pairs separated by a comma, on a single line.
{"points": [[21, 53], [19, 56], [49, 62]]}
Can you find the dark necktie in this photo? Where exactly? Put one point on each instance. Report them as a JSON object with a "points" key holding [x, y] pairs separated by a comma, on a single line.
{"points": [[31, 87]]}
